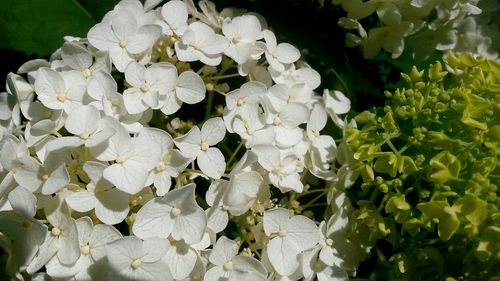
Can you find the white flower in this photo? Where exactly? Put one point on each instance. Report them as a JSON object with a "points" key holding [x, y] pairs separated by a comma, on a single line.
{"points": [[198, 144], [123, 38], [283, 172], [175, 14], [323, 148], [285, 120], [131, 258], [281, 54], [61, 240], [171, 163], [60, 90], [147, 84], [48, 177], [189, 88], [176, 214], [103, 89], [199, 42], [248, 95], [226, 262], [18, 225], [336, 103], [181, 258], [314, 267], [22, 94], [291, 76], [288, 238], [83, 122], [110, 204], [91, 240], [134, 159], [242, 32], [79, 58]]}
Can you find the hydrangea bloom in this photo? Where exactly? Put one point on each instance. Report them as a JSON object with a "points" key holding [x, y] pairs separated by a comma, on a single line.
{"points": [[125, 178]]}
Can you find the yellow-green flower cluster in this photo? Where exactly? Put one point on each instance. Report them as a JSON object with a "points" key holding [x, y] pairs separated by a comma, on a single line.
{"points": [[429, 163]]}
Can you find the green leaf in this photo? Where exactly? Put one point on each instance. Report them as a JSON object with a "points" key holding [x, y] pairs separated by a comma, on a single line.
{"points": [[441, 210], [38, 27]]}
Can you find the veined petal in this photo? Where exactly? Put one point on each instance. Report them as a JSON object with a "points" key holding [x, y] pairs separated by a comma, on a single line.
{"points": [[153, 220], [129, 177], [190, 87], [283, 255], [189, 144], [212, 162], [213, 131], [81, 201]]}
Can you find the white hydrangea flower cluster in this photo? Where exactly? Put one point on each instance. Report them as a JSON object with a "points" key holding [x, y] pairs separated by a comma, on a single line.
{"points": [[467, 26], [98, 168]]}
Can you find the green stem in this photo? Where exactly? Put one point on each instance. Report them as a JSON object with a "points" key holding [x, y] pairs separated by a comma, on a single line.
{"points": [[319, 196], [210, 100], [225, 76], [233, 156]]}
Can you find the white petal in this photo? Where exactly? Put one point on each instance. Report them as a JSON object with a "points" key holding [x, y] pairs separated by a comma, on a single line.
{"points": [[189, 144], [275, 220], [112, 206], [129, 177], [303, 232], [134, 74], [133, 100], [153, 219], [181, 259], [212, 162], [81, 201], [217, 219], [224, 250], [268, 156], [23, 201], [101, 235], [294, 114], [283, 255], [287, 53], [83, 119], [175, 14], [155, 249], [190, 87], [76, 56], [58, 179], [190, 227], [213, 131]]}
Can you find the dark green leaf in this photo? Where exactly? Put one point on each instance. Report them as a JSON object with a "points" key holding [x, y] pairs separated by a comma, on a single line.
{"points": [[38, 27]]}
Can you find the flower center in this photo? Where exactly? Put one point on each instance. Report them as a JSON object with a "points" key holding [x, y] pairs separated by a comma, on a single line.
{"points": [[282, 233], [145, 87], [175, 212], [120, 160], [123, 44], [86, 73], [84, 136], [276, 121], [228, 266], [61, 97], [85, 250], [26, 224], [236, 39], [240, 101], [250, 131], [204, 146], [329, 242], [55, 231], [45, 177], [136, 263], [160, 166]]}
